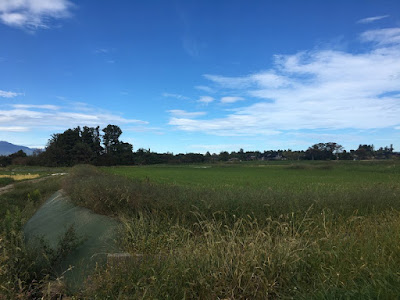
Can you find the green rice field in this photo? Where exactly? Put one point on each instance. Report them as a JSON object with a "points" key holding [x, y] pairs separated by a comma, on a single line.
{"points": [[266, 175], [287, 230], [259, 230]]}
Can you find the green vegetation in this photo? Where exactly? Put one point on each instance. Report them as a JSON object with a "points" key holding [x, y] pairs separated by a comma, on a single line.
{"points": [[12, 174], [6, 181], [263, 175], [26, 273], [26, 170], [308, 230], [304, 230], [84, 146]]}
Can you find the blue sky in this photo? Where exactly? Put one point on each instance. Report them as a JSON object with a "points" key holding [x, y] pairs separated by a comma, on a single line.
{"points": [[197, 76]]}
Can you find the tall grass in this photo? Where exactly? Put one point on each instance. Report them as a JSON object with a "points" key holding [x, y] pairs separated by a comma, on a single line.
{"points": [[252, 261], [317, 240], [6, 181], [29, 272]]}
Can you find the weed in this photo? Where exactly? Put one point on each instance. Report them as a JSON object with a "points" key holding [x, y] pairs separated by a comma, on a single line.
{"points": [[23, 271], [6, 181]]}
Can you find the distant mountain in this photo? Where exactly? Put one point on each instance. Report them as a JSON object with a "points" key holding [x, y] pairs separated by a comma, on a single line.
{"points": [[7, 148]]}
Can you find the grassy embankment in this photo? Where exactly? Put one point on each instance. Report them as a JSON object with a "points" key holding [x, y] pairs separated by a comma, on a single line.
{"points": [[308, 230], [23, 272]]}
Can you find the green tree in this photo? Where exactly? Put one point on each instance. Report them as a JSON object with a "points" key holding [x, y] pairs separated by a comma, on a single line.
{"points": [[116, 151], [224, 156], [365, 152], [111, 138], [323, 151], [61, 148], [91, 137]]}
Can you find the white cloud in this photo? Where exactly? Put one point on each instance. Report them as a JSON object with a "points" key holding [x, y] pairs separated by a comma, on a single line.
{"points": [[13, 19], [263, 79], [176, 96], [101, 51], [382, 36], [325, 89], [145, 129], [185, 114], [269, 79], [32, 14], [231, 99], [371, 19], [14, 128], [217, 148], [204, 88], [233, 125], [6, 94], [206, 99], [46, 106], [32, 117], [229, 82], [191, 46]]}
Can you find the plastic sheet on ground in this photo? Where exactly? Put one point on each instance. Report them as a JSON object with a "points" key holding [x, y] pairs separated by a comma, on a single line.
{"points": [[98, 232]]}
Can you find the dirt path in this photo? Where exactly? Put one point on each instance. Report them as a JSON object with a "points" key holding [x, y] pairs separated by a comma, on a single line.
{"points": [[6, 188], [10, 187]]}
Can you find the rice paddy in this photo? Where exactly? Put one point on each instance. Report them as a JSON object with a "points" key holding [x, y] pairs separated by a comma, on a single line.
{"points": [[302, 230], [283, 230]]}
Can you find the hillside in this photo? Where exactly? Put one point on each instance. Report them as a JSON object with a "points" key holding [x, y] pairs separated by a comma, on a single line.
{"points": [[7, 148]]}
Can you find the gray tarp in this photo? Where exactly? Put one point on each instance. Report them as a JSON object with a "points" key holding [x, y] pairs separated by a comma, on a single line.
{"points": [[99, 232]]}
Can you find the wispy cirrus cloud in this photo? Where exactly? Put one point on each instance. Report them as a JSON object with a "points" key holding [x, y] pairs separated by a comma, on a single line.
{"points": [[8, 94], [190, 45], [102, 51], [30, 117], [231, 99], [204, 88], [176, 96], [314, 90], [229, 82], [232, 125], [14, 129], [33, 14], [27, 106], [145, 129], [385, 36], [262, 79], [216, 148], [371, 19], [185, 114], [205, 99], [105, 53]]}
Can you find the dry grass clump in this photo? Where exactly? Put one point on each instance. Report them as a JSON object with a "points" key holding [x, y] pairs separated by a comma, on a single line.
{"points": [[312, 258], [19, 177]]}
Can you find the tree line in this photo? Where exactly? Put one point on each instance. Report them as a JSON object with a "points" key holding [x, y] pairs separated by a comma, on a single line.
{"points": [[90, 145]]}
